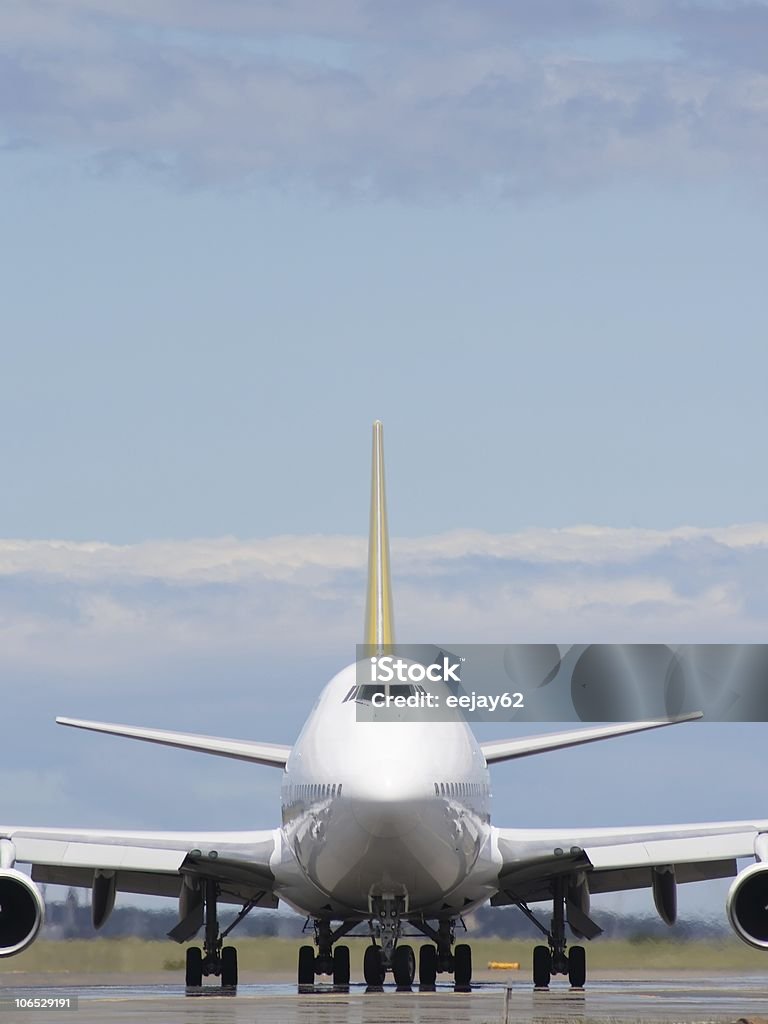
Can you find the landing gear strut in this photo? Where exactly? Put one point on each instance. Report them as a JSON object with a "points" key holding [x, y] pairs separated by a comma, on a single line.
{"points": [[327, 960], [442, 957], [554, 957], [214, 958], [386, 911]]}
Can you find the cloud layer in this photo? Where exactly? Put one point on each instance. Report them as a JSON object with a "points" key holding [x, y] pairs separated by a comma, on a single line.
{"points": [[95, 608], [374, 97]]}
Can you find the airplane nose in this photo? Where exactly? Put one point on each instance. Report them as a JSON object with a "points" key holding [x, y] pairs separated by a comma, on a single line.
{"points": [[386, 799]]}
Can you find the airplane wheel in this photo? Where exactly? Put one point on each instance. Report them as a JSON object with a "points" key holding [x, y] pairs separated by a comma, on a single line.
{"points": [[542, 966], [229, 967], [404, 966], [341, 970], [373, 969], [194, 972], [577, 966], [306, 965], [427, 965], [462, 965]]}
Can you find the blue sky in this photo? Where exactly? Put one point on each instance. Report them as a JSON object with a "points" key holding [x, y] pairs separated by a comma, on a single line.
{"points": [[193, 363], [234, 234], [532, 241]]}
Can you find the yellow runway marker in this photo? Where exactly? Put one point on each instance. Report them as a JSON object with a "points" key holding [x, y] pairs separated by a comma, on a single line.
{"points": [[502, 965]]}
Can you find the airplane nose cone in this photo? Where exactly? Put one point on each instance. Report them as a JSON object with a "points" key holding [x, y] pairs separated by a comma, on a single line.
{"points": [[386, 800]]}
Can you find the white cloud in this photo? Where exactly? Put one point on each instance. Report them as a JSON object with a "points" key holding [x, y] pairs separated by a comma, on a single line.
{"points": [[368, 97], [228, 559], [89, 607]]}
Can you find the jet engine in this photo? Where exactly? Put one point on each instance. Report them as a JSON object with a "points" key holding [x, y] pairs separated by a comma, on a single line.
{"points": [[21, 911], [747, 905]]}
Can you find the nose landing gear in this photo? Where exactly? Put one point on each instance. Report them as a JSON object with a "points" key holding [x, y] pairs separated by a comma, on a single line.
{"points": [[386, 911]]}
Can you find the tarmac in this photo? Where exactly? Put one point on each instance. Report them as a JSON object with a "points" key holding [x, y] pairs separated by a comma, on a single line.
{"points": [[645, 996]]}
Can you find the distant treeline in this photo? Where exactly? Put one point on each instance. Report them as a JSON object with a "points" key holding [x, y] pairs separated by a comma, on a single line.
{"points": [[72, 920], [510, 923]]}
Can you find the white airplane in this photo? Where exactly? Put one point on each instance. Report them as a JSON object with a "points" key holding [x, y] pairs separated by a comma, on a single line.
{"points": [[385, 825]]}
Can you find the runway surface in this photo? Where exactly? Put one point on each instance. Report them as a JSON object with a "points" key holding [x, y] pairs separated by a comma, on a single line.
{"points": [[694, 1000]]}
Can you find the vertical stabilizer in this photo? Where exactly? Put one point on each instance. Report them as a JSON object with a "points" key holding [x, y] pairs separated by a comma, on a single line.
{"points": [[379, 621]]}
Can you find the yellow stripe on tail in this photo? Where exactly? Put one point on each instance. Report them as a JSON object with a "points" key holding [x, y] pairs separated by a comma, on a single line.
{"points": [[379, 620]]}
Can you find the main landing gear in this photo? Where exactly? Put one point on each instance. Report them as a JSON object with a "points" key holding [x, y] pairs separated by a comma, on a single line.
{"points": [[443, 957], [403, 966], [386, 954], [554, 958], [327, 960], [214, 958]]}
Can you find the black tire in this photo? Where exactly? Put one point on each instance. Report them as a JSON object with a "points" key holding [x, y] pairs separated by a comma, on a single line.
{"points": [[229, 967], [194, 967], [373, 969], [577, 966], [542, 966], [462, 965], [306, 965], [427, 966], [404, 966], [341, 970]]}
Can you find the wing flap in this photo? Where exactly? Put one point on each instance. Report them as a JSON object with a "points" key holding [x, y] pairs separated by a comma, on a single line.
{"points": [[144, 882], [687, 850], [533, 886], [616, 880], [153, 884], [109, 857]]}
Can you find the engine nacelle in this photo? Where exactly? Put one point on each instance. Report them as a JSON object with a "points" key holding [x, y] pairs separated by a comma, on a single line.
{"points": [[747, 905], [21, 911]]}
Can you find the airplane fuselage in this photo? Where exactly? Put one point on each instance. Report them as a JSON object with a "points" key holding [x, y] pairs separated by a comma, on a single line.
{"points": [[376, 809]]}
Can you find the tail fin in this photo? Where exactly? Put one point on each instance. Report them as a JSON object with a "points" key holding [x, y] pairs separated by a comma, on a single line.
{"points": [[379, 620]]}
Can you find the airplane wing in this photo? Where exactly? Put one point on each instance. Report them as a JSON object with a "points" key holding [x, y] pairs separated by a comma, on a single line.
{"points": [[610, 860], [153, 863], [496, 751], [271, 754]]}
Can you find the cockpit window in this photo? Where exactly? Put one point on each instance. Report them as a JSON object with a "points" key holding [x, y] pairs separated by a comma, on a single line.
{"points": [[367, 691]]}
